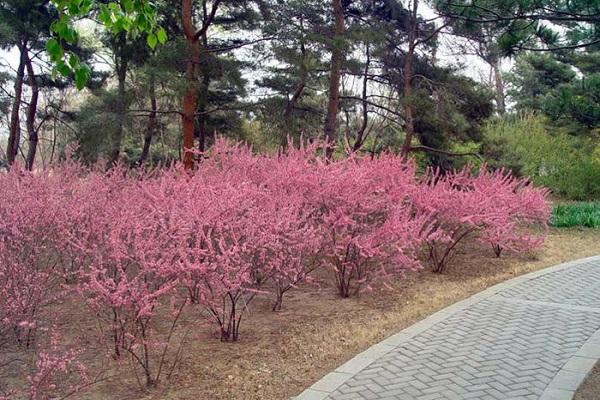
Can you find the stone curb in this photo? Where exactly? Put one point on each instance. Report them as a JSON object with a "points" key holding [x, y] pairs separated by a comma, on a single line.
{"points": [[562, 387]]}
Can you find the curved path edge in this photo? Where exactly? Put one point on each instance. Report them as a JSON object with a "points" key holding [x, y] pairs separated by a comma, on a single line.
{"points": [[562, 386]]}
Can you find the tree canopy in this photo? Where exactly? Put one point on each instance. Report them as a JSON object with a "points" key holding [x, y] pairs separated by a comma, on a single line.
{"points": [[145, 82]]}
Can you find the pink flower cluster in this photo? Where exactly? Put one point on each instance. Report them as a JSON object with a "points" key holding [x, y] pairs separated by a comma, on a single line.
{"points": [[244, 224]]}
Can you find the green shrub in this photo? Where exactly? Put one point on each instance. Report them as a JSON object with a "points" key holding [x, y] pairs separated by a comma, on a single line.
{"points": [[528, 145], [576, 214]]}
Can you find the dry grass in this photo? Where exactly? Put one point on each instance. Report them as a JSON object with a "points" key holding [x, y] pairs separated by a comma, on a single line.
{"points": [[282, 353]]}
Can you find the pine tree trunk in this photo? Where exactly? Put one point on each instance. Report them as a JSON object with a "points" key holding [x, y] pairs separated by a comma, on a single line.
{"points": [[122, 65], [337, 54], [189, 104], [190, 97], [151, 123], [14, 133], [500, 103], [300, 86], [203, 99], [409, 123], [360, 135], [31, 114]]}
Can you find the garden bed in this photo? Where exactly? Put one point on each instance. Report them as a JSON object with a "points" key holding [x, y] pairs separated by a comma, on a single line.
{"points": [[281, 353]]}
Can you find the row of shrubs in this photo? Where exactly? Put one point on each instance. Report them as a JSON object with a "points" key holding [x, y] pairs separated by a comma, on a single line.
{"points": [[129, 242]]}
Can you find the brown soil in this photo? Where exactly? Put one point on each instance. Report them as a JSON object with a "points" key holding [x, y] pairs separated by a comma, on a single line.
{"points": [[590, 390]]}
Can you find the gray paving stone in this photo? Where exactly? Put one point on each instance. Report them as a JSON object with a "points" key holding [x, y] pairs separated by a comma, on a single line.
{"points": [[311, 394], [331, 381], [579, 364], [557, 394], [534, 337], [567, 380]]}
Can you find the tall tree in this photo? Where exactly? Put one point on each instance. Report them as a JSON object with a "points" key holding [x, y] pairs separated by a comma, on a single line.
{"points": [[565, 87], [25, 26], [32, 131], [338, 46], [295, 73], [190, 99], [532, 25], [408, 71]]}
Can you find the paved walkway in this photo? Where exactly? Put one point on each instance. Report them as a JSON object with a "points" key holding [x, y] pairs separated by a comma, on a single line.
{"points": [[533, 337]]}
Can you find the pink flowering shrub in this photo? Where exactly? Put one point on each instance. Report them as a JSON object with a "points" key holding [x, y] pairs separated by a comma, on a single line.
{"points": [[53, 366], [522, 213], [286, 241], [136, 245], [31, 216], [56, 373], [495, 207], [370, 230], [127, 245]]}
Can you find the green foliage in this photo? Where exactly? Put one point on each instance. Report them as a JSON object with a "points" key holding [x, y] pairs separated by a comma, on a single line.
{"points": [[136, 17], [534, 77], [551, 24], [97, 121], [576, 214], [564, 163], [543, 82]]}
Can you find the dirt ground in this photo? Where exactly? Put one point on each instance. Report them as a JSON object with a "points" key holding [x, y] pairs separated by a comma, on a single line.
{"points": [[590, 390], [279, 354]]}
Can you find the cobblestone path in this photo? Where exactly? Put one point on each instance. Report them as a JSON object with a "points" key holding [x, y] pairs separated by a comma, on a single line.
{"points": [[533, 337]]}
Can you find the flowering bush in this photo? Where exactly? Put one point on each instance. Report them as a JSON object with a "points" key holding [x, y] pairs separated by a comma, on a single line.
{"points": [[127, 246], [132, 242], [52, 366], [495, 207], [370, 231], [31, 219]]}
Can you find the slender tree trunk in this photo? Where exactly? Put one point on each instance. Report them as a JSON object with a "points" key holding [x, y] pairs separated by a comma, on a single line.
{"points": [[190, 100], [53, 148], [300, 85], [499, 83], [31, 114], [203, 93], [360, 135], [337, 54], [151, 123], [409, 123], [190, 97], [288, 113], [203, 117], [121, 65], [14, 133]]}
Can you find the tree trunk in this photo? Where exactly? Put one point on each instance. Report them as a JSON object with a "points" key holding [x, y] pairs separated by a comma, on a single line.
{"points": [[203, 99], [360, 135], [500, 103], [409, 123], [121, 59], [189, 104], [151, 123], [31, 114], [14, 133], [190, 97], [202, 109], [300, 85], [337, 54]]}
